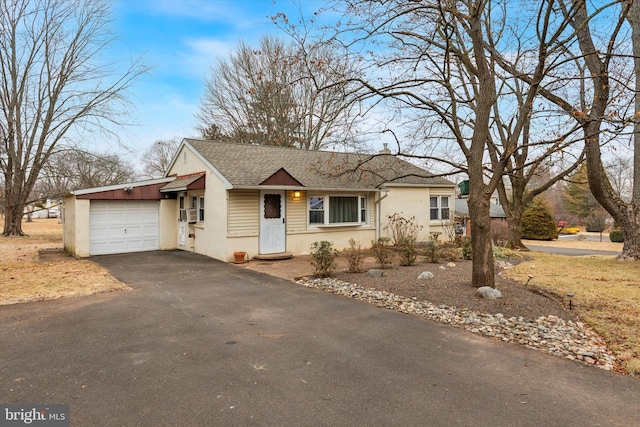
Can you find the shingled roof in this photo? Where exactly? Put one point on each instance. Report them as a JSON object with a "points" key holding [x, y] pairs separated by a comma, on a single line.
{"points": [[247, 166]]}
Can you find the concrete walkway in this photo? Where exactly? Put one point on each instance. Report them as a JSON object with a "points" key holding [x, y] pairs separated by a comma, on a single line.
{"points": [[199, 342]]}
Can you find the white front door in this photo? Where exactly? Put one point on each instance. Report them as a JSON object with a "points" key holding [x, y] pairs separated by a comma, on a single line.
{"points": [[272, 222], [182, 225]]}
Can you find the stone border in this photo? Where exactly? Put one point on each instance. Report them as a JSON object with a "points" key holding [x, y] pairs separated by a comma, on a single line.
{"points": [[549, 334]]}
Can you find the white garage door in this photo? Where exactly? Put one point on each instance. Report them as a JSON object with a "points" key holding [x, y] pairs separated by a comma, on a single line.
{"points": [[119, 226]]}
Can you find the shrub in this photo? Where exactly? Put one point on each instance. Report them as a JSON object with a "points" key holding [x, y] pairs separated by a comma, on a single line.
{"points": [[403, 230], [570, 230], [538, 222], [382, 252], [449, 253], [616, 236], [432, 251], [499, 233], [596, 223], [408, 254], [465, 244], [404, 235], [355, 256], [323, 258]]}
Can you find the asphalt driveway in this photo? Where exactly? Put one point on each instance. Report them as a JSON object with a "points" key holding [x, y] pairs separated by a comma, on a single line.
{"points": [[200, 342]]}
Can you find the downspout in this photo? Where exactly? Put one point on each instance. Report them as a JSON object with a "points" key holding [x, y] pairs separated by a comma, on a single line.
{"points": [[379, 210]]}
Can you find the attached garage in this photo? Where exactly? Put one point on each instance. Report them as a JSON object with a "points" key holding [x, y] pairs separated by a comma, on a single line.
{"points": [[132, 217], [121, 226]]}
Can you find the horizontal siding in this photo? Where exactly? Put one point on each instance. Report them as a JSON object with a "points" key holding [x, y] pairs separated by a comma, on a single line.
{"points": [[244, 212], [296, 212]]}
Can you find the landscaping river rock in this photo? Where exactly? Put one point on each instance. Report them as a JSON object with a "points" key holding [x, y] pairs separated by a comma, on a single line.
{"points": [[550, 334]]}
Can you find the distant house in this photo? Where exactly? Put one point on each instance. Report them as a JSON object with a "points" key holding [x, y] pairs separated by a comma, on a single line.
{"points": [[496, 212], [218, 198]]}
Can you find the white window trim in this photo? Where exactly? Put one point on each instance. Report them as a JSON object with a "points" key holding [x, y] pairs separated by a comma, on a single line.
{"points": [[325, 208], [440, 206], [200, 203]]}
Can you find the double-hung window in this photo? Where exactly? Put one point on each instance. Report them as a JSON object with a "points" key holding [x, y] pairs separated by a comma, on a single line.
{"points": [[201, 209], [439, 208], [197, 206], [329, 209]]}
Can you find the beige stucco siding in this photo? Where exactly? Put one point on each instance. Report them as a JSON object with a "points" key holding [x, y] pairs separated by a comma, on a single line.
{"points": [[207, 238], [299, 244], [76, 226], [168, 226], [413, 201]]}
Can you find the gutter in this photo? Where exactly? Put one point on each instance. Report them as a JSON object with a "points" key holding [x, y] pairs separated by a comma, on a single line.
{"points": [[379, 210]]}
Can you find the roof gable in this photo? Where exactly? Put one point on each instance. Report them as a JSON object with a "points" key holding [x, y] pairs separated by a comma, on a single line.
{"points": [[281, 177]]}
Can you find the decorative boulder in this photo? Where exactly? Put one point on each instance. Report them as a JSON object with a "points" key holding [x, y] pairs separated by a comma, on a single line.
{"points": [[425, 275], [487, 292], [451, 264], [375, 272]]}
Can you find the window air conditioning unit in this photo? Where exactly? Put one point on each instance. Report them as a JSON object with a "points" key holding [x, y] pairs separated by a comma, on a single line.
{"points": [[192, 215], [189, 215]]}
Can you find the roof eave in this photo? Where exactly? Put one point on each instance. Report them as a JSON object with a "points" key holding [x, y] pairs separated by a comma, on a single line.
{"points": [[290, 187], [121, 186]]}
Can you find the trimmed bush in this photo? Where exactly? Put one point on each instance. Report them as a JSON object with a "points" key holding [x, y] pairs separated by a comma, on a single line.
{"points": [[538, 222], [596, 223], [570, 230], [323, 258], [616, 236]]}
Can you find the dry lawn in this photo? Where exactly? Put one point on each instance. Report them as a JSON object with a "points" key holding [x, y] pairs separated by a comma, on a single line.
{"points": [[24, 278], [606, 295]]}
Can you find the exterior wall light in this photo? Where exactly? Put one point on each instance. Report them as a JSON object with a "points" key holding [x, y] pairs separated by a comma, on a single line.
{"points": [[296, 195]]}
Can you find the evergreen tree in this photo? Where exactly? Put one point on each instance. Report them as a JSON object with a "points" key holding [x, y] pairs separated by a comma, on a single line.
{"points": [[579, 200], [538, 222]]}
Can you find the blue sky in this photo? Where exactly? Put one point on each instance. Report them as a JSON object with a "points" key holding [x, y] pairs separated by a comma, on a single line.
{"points": [[180, 40]]}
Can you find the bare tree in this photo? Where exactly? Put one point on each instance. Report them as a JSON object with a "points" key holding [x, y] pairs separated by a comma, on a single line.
{"points": [[620, 172], [271, 95], [52, 84], [437, 63], [74, 169], [155, 162], [213, 133], [602, 99]]}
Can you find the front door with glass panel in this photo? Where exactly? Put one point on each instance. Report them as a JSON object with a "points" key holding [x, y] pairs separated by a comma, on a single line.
{"points": [[272, 222]]}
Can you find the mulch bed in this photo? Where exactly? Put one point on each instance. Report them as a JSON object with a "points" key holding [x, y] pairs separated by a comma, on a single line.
{"points": [[452, 287]]}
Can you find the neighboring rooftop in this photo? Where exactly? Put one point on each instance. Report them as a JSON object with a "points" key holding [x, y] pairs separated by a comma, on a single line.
{"points": [[462, 209]]}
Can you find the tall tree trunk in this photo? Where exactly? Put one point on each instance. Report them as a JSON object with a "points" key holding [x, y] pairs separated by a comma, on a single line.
{"points": [[514, 228], [631, 234], [483, 273], [13, 212], [479, 191], [514, 208]]}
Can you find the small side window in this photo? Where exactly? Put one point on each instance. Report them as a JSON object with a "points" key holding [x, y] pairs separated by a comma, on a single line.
{"points": [[201, 210]]}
